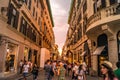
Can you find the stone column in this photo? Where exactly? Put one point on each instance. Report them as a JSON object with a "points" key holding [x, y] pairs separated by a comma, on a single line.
{"points": [[112, 50], [3, 51]]}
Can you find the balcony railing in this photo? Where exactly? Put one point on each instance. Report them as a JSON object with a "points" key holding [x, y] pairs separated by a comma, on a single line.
{"points": [[104, 13]]}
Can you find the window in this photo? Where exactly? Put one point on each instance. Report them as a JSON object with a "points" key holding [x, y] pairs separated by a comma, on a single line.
{"points": [[45, 29], [84, 25], [79, 1], [33, 11], [40, 24], [40, 41], [84, 7], [79, 33], [113, 2], [36, 16], [103, 2], [34, 35], [79, 19], [95, 7], [13, 16], [28, 31], [23, 27], [29, 5]]}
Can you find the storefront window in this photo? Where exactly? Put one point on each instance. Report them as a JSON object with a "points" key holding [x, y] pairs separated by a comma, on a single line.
{"points": [[10, 58]]}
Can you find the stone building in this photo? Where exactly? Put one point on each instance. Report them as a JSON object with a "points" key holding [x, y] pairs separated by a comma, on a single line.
{"points": [[26, 26], [94, 33]]}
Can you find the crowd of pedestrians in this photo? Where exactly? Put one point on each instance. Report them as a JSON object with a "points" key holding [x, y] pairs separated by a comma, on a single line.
{"points": [[77, 71], [62, 69], [26, 67]]}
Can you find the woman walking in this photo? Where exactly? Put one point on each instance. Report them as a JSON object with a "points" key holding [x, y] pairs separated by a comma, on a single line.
{"points": [[107, 71]]}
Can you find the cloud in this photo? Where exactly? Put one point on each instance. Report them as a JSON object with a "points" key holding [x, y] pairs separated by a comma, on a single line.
{"points": [[60, 9]]}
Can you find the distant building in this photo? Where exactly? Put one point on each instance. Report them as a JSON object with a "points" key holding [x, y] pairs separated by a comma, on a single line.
{"points": [[26, 26], [94, 33]]}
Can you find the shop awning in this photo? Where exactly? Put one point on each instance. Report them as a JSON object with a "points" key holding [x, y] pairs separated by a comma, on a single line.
{"points": [[83, 53], [98, 50]]}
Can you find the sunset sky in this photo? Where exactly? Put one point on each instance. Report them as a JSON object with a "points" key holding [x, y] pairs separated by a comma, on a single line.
{"points": [[60, 12]]}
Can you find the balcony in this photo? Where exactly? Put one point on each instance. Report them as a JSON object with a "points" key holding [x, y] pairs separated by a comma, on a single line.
{"points": [[109, 16]]}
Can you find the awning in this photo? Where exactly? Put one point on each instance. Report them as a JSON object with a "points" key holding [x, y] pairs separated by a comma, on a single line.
{"points": [[83, 53], [98, 50]]}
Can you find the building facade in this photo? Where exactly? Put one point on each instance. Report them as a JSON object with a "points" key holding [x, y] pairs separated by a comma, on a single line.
{"points": [[26, 27], [93, 34]]}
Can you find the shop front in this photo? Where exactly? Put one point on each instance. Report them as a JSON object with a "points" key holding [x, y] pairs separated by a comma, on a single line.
{"points": [[11, 57], [8, 56]]}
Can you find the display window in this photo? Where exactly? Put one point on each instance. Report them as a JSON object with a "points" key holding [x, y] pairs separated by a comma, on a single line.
{"points": [[10, 58]]}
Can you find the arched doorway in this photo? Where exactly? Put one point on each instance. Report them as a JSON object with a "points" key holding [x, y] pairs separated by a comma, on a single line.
{"points": [[102, 40], [118, 43]]}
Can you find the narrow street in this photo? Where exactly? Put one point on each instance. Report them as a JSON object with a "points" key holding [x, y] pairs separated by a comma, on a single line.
{"points": [[41, 77], [82, 36]]}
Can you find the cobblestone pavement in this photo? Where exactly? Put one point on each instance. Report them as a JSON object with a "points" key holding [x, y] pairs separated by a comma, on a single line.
{"points": [[41, 77]]}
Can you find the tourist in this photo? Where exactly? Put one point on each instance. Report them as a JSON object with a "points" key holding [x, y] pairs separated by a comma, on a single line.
{"points": [[47, 69], [61, 71], [81, 73], [25, 70], [35, 72], [107, 71]]}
